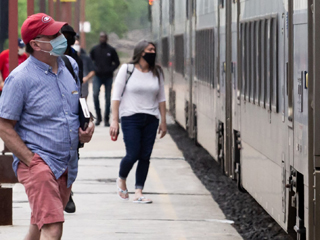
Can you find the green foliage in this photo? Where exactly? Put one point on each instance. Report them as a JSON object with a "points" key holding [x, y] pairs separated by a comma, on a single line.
{"points": [[22, 14], [105, 15], [137, 17], [117, 16]]}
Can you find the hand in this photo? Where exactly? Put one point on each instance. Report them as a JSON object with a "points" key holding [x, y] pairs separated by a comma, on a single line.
{"points": [[2, 84], [85, 79], [29, 159], [85, 136], [162, 129], [114, 129]]}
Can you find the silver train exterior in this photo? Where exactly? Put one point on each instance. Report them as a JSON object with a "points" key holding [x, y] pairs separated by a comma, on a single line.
{"points": [[241, 79]]}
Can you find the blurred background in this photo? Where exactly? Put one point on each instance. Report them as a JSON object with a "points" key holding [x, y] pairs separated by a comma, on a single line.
{"points": [[125, 21]]}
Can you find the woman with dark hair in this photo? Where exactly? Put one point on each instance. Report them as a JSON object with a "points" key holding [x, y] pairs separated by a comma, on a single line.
{"points": [[139, 100]]}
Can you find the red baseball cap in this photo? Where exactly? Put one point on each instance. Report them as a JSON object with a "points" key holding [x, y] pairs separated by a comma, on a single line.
{"points": [[39, 24]]}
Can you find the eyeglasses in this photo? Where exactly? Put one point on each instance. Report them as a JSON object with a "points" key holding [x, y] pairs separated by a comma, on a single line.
{"points": [[54, 36]]}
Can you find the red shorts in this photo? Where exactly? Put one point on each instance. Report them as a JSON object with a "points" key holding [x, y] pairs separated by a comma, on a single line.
{"points": [[47, 195]]}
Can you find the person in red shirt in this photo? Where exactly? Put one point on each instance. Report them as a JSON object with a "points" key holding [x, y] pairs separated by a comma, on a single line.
{"points": [[4, 61]]}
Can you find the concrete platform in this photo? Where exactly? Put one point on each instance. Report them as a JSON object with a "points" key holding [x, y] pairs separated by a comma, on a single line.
{"points": [[182, 208]]}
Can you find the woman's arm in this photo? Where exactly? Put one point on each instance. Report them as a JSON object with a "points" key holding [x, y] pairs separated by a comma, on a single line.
{"points": [[114, 127], [163, 125]]}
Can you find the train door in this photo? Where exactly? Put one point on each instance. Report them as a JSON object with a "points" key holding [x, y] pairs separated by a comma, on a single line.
{"points": [[229, 170], [314, 119], [298, 118], [236, 144], [172, 94], [193, 19], [221, 94], [189, 52], [165, 46], [289, 67]]}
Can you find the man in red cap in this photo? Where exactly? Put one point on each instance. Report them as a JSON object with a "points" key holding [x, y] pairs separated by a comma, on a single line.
{"points": [[39, 123]]}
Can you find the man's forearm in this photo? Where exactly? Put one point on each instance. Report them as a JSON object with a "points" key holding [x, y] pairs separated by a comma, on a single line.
{"points": [[91, 74], [13, 141]]}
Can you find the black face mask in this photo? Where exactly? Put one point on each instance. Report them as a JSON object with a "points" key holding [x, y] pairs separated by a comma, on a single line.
{"points": [[150, 58]]}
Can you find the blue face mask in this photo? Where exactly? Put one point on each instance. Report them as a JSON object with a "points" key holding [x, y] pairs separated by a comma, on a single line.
{"points": [[59, 45]]}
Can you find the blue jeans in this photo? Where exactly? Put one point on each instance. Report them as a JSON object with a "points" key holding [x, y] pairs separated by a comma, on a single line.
{"points": [[97, 82], [139, 134]]}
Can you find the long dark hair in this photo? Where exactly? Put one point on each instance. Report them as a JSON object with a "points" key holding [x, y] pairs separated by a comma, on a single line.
{"points": [[137, 54]]}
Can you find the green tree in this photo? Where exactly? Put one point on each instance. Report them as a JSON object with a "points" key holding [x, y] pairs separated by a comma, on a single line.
{"points": [[137, 17], [116, 16], [105, 15]]}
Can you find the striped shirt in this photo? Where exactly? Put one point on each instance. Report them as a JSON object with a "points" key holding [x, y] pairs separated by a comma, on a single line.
{"points": [[45, 106]]}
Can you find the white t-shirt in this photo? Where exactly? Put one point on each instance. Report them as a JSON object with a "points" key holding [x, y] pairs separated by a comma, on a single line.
{"points": [[142, 94]]}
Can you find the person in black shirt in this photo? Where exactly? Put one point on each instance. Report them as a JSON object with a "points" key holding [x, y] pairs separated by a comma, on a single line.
{"points": [[88, 72], [106, 61], [70, 35]]}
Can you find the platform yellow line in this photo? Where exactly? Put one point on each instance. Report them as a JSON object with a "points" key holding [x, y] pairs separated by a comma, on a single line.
{"points": [[167, 209]]}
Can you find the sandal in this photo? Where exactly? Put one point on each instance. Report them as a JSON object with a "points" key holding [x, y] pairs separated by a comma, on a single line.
{"points": [[119, 190], [142, 200]]}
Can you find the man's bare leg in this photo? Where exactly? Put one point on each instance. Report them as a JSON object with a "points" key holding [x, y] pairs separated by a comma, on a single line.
{"points": [[34, 233], [51, 231]]}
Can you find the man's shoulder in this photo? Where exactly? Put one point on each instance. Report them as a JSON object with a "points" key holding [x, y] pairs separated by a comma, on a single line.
{"points": [[22, 69], [110, 47], [95, 47], [21, 75]]}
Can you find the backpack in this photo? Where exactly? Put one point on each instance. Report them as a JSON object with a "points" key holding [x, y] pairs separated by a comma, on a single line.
{"points": [[69, 67]]}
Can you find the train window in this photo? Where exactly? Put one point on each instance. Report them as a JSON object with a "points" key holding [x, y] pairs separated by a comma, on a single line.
{"points": [[258, 61], [187, 9], [221, 3], [248, 61], [190, 11], [262, 62], [171, 11], [196, 57], [211, 44], [204, 56], [253, 62], [243, 59], [165, 52], [268, 63], [274, 63], [208, 52], [179, 54]]}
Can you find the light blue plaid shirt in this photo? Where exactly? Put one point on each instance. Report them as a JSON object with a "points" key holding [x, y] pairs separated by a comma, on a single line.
{"points": [[45, 106]]}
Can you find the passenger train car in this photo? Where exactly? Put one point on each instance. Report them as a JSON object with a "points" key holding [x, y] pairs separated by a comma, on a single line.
{"points": [[241, 78]]}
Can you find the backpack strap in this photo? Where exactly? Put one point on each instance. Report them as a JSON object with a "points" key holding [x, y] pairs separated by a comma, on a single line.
{"points": [[130, 69], [69, 66]]}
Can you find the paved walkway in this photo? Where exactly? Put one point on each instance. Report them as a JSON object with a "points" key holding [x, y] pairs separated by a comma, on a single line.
{"points": [[182, 208]]}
